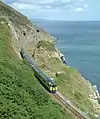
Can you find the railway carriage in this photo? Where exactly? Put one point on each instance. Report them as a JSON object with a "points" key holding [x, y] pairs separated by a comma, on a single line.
{"points": [[48, 82]]}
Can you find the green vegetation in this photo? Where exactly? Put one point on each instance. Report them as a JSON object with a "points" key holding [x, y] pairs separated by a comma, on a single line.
{"points": [[49, 46], [76, 89], [99, 101], [69, 80], [21, 95], [16, 17]]}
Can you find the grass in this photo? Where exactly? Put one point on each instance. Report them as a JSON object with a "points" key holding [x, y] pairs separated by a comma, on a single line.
{"points": [[70, 83], [49, 46], [21, 95], [76, 89]]}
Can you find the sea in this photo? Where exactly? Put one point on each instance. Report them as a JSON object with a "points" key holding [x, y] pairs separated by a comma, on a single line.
{"points": [[80, 43]]}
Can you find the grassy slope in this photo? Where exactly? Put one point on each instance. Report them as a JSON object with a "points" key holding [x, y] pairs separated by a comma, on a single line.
{"points": [[69, 83], [21, 96]]}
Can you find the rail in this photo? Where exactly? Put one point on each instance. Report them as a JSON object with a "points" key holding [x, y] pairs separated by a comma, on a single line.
{"points": [[67, 103]]}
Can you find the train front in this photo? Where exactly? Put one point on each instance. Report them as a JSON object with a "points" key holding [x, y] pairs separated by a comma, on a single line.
{"points": [[53, 86]]}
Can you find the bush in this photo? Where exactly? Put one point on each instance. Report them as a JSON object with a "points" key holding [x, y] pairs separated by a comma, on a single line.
{"points": [[21, 95]]}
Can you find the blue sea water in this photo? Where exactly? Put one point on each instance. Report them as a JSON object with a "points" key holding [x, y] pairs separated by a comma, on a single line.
{"points": [[80, 43]]}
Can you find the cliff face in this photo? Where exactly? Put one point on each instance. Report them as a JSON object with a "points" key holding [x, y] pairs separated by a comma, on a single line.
{"points": [[21, 95], [24, 33], [40, 46]]}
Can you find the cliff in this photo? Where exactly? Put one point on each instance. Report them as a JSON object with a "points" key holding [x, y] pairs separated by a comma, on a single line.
{"points": [[16, 32]]}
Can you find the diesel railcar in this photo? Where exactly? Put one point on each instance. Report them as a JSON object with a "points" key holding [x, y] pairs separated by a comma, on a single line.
{"points": [[48, 82]]}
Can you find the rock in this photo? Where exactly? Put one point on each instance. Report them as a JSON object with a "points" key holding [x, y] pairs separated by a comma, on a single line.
{"points": [[63, 58]]}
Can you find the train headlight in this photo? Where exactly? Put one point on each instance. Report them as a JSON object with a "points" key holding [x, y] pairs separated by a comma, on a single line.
{"points": [[55, 88], [50, 88]]}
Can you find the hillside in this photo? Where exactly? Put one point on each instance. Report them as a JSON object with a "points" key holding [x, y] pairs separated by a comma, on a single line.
{"points": [[69, 80], [21, 94]]}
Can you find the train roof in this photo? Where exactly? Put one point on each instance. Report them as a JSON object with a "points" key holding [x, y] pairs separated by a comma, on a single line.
{"points": [[48, 78], [37, 69], [42, 74]]}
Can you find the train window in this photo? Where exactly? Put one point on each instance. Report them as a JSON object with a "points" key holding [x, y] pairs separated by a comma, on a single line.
{"points": [[49, 83], [52, 79]]}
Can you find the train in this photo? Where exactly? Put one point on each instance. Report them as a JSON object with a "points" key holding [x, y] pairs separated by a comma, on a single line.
{"points": [[47, 82]]}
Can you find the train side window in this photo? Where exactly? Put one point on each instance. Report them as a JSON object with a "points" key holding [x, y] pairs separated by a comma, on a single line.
{"points": [[49, 83]]}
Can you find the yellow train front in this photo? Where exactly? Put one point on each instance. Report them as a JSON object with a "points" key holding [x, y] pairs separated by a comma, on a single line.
{"points": [[52, 87], [48, 82]]}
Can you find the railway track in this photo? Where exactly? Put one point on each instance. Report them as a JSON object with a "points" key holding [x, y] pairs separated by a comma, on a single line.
{"points": [[70, 106], [67, 103]]}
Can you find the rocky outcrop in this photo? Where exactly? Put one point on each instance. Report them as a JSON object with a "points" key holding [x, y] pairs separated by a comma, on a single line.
{"points": [[94, 97], [24, 33], [41, 46]]}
